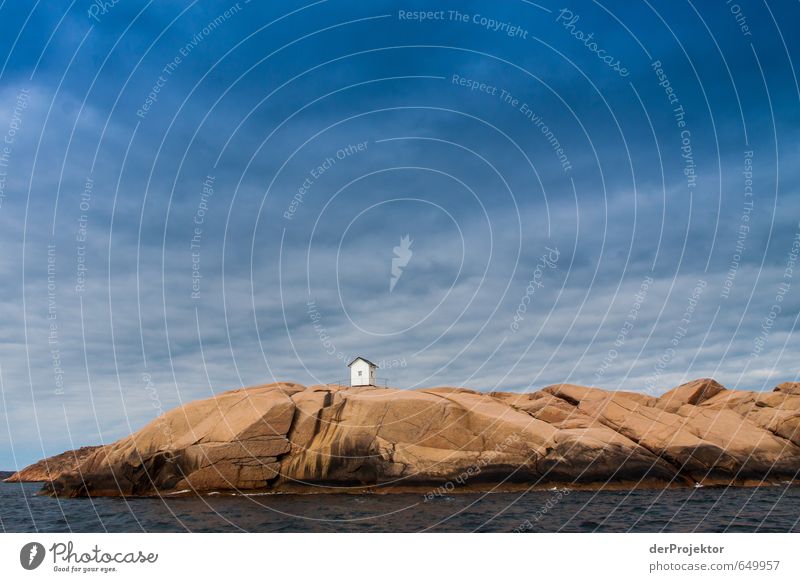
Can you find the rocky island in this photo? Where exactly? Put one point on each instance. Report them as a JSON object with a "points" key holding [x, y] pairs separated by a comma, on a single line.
{"points": [[286, 437]]}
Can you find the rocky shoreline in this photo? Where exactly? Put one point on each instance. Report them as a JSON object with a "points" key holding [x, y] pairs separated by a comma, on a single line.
{"points": [[288, 438], [51, 467]]}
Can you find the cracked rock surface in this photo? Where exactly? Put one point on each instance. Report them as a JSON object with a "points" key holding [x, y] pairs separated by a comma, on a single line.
{"points": [[51, 467], [285, 437]]}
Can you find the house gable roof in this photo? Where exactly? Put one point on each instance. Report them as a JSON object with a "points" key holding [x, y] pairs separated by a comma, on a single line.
{"points": [[362, 358]]}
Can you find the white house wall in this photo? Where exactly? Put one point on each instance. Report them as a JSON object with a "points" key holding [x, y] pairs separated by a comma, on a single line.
{"points": [[367, 374]]}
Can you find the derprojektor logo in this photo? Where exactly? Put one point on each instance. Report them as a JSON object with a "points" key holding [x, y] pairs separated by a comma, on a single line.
{"points": [[31, 555]]}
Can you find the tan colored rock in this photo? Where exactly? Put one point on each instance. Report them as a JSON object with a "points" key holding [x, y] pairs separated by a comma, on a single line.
{"points": [[307, 423], [695, 392], [255, 448], [173, 451], [284, 437], [777, 412], [52, 467], [788, 388], [227, 475], [574, 394]]}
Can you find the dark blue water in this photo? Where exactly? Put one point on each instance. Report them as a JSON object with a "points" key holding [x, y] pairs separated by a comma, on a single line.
{"points": [[766, 509]]}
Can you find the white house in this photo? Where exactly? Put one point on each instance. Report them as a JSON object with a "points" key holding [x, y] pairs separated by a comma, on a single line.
{"points": [[362, 372]]}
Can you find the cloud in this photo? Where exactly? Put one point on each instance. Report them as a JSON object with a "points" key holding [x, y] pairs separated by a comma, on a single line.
{"points": [[473, 177]]}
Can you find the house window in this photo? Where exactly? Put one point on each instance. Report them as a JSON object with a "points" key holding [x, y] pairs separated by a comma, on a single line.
{"points": [[360, 372]]}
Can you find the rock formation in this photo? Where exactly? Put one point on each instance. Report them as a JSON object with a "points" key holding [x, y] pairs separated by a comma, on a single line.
{"points": [[51, 467], [285, 437]]}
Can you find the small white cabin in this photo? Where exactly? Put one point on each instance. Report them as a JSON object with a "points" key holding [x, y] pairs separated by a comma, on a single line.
{"points": [[362, 372]]}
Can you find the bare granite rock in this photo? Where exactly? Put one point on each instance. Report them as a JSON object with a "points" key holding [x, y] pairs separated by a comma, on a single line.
{"points": [[51, 467], [285, 437]]}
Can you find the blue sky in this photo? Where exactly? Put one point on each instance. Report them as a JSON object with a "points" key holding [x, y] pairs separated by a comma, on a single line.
{"points": [[601, 193]]}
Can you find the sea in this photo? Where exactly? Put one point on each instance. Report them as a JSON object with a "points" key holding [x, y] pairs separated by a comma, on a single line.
{"points": [[764, 509]]}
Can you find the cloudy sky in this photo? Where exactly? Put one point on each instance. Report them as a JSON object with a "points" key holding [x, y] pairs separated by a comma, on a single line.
{"points": [[197, 196]]}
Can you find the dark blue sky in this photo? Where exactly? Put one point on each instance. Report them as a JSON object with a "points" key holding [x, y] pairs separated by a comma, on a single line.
{"points": [[198, 196]]}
